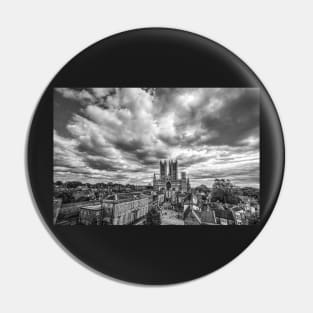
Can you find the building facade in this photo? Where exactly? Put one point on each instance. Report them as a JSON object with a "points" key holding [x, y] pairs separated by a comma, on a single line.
{"points": [[127, 210], [169, 180], [91, 215]]}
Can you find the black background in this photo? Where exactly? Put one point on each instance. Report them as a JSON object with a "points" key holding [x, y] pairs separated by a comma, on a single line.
{"points": [[154, 58]]}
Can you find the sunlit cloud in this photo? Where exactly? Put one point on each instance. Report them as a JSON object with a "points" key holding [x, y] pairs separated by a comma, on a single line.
{"points": [[120, 134]]}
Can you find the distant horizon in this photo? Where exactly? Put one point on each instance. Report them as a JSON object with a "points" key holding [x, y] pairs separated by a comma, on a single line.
{"points": [[149, 184], [120, 134]]}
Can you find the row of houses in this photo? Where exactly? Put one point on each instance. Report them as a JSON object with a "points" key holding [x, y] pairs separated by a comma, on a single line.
{"points": [[220, 217], [216, 213], [121, 209]]}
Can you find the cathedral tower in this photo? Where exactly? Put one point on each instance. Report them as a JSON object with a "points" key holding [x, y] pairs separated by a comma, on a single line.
{"points": [[173, 169], [163, 170], [188, 185]]}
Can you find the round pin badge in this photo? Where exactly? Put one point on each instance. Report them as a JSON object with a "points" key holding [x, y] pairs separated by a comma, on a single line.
{"points": [[155, 156]]}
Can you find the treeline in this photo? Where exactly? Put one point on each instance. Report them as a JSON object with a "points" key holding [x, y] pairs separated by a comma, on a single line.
{"points": [[224, 191], [67, 196], [251, 192], [75, 184]]}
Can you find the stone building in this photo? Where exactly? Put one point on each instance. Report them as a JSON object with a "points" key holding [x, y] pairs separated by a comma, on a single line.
{"points": [[91, 215], [126, 209], [168, 180]]}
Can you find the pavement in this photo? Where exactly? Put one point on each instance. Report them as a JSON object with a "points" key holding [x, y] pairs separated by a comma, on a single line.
{"points": [[169, 217]]}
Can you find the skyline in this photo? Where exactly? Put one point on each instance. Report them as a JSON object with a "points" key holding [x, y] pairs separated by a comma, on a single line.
{"points": [[121, 134]]}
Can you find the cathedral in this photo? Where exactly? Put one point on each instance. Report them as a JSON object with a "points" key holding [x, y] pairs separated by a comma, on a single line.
{"points": [[169, 180]]}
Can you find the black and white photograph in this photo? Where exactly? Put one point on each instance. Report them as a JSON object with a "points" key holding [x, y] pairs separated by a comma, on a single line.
{"points": [[156, 156]]}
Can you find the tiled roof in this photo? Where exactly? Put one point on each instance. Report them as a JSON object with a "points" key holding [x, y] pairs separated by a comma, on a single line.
{"points": [[223, 214], [203, 216], [92, 207], [207, 217], [186, 212]]}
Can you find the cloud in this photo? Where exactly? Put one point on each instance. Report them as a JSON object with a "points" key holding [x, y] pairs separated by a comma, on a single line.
{"points": [[235, 121], [82, 96], [122, 133], [87, 96]]}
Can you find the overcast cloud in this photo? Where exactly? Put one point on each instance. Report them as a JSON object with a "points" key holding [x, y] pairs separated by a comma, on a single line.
{"points": [[120, 134]]}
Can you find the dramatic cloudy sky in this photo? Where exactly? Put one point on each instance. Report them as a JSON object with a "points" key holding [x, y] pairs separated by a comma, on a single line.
{"points": [[120, 134]]}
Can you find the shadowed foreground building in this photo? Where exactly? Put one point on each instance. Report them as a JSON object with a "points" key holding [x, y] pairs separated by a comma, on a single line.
{"points": [[126, 209], [91, 215], [118, 211]]}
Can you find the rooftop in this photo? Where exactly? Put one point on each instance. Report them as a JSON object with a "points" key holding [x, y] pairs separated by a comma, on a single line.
{"points": [[207, 217], [223, 214], [125, 197], [92, 207]]}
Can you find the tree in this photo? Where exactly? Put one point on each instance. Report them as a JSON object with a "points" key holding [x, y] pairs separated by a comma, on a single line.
{"points": [[224, 191], [73, 184]]}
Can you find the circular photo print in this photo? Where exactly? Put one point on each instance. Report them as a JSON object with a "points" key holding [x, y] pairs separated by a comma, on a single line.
{"points": [[155, 156]]}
